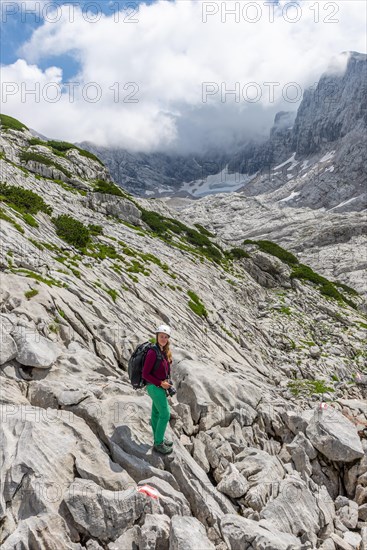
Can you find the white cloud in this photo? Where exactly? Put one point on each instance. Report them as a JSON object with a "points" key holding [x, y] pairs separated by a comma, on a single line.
{"points": [[169, 53]]}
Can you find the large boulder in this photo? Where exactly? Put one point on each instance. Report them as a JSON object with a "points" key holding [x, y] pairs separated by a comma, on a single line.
{"points": [[245, 534], [104, 514], [34, 350], [187, 533], [334, 436]]}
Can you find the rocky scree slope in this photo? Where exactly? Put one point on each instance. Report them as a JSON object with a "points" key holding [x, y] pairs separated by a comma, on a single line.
{"points": [[332, 243], [87, 272]]}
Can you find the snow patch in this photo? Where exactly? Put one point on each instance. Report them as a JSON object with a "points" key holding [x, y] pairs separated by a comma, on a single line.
{"points": [[291, 159], [223, 182], [327, 157], [290, 197], [343, 203]]}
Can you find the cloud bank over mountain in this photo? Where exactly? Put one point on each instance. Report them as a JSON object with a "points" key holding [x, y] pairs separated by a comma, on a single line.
{"points": [[176, 76]]}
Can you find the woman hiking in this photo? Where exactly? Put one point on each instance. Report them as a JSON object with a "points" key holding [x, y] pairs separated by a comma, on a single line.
{"points": [[157, 385]]}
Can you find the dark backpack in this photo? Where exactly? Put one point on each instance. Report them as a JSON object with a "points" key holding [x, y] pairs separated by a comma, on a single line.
{"points": [[136, 363]]}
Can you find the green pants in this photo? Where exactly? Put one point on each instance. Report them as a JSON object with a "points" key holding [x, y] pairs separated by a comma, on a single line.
{"points": [[160, 412]]}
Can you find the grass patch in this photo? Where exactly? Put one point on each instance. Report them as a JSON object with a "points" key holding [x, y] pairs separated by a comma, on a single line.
{"points": [[162, 225], [306, 388], [31, 293], [39, 278], [196, 305], [23, 200], [113, 293], [72, 231], [29, 219], [137, 267], [5, 217], [10, 123], [68, 187]]}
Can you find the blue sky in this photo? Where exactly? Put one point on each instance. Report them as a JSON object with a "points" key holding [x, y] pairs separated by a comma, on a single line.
{"points": [[174, 79], [19, 23]]}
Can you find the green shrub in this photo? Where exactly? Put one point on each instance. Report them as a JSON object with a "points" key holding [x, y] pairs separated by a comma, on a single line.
{"points": [[107, 187], [347, 288], [275, 250], [154, 220], [72, 231], [103, 251], [30, 293], [161, 225], [68, 187], [37, 141], [326, 287], [204, 231], [23, 200], [26, 156], [63, 146], [10, 123], [237, 253], [95, 229], [196, 305]]}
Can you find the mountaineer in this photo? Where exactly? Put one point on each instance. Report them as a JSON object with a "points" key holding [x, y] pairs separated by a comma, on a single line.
{"points": [[156, 386]]}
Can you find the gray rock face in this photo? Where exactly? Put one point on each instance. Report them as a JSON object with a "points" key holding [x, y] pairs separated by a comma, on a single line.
{"points": [[114, 206], [34, 350], [244, 534], [344, 95], [187, 533], [334, 436], [105, 514], [8, 348]]}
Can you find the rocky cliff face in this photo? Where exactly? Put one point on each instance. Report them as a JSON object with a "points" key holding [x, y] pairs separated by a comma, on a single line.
{"points": [[269, 421], [321, 157]]}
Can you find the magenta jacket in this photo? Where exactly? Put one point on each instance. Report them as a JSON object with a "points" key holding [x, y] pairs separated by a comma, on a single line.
{"points": [[162, 372]]}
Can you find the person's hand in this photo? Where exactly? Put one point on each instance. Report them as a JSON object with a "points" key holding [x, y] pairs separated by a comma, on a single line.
{"points": [[165, 385]]}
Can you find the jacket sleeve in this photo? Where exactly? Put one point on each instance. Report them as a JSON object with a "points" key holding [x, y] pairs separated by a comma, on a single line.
{"points": [[148, 367]]}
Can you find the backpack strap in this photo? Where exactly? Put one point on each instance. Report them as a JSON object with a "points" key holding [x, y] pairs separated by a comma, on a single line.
{"points": [[158, 359]]}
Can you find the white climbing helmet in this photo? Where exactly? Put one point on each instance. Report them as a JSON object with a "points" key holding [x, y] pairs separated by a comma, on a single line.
{"points": [[165, 329]]}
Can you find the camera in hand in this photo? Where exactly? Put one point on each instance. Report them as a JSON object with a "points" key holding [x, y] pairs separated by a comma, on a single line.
{"points": [[171, 390]]}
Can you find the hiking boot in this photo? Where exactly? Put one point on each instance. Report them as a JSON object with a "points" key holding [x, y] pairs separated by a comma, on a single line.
{"points": [[162, 448], [167, 442]]}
